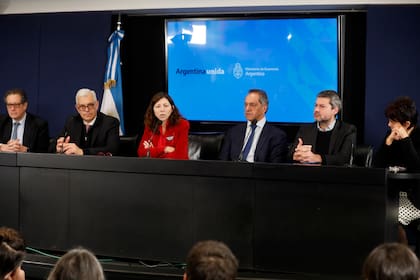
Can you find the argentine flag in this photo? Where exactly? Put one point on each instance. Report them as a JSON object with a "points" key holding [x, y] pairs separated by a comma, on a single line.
{"points": [[112, 101]]}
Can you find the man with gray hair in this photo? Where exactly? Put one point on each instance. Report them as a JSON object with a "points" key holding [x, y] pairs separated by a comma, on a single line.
{"points": [[90, 132], [328, 141], [256, 140]]}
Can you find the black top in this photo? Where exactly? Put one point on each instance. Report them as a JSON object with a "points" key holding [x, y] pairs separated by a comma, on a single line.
{"points": [[323, 142], [405, 152]]}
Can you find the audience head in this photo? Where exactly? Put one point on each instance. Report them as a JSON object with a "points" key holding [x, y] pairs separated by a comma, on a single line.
{"points": [[327, 106], [12, 252], [256, 104], [211, 260], [161, 109], [87, 104], [391, 261], [16, 103], [403, 110], [77, 264]]}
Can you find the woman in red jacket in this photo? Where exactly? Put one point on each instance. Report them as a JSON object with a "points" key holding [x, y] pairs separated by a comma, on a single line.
{"points": [[166, 131]]}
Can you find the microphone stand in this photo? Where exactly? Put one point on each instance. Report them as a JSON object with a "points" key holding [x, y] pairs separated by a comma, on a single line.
{"points": [[151, 137], [62, 144]]}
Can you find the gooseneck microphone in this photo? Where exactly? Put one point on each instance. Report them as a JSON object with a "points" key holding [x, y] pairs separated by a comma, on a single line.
{"points": [[241, 154], [62, 144], [156, 126], [351, 154]]}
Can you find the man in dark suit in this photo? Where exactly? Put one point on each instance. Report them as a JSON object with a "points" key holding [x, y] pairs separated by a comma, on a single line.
{"points": [[90, 132], [256, 140], [21, 131], [328, 141]]}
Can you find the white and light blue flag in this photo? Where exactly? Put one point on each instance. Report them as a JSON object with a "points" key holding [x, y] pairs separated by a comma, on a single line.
{"points": [[112, 100]]}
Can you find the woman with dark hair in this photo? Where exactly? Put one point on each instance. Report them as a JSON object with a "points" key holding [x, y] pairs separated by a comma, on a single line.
{"points": [[401, 150], [166, 132], [391, 261], [12, 252]]}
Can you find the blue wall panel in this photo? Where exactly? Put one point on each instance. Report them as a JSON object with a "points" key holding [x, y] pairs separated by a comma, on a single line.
{"points": [[392, 63], [19, 48], [73, 55], [51, 56]]}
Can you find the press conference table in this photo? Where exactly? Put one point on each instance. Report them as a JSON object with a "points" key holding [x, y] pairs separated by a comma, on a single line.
{"points": [[275, 217]]}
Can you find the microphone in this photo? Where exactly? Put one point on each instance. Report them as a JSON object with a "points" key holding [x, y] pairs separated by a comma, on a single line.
{"points": [[62, 144], [351, 160], [158, 122], [241, 154], [66, 133], [351, 154]]}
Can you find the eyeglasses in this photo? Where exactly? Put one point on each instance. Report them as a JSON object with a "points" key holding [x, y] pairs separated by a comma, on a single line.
{"points": [[13, 105], [86, 107]]}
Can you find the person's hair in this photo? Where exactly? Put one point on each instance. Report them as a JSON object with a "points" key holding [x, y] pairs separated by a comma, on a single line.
{"points": [[12, 250], [76, 264], [18, 91], [401, 110], [151, 121], [211, 260], [85, 92], [391, 261], [335, 100], [262, 96]]}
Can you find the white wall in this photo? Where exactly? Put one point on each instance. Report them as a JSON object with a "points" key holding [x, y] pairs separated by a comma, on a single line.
{"points": [[165, 6]]}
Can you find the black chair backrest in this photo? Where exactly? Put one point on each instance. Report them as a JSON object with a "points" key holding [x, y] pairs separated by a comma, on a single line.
{"points": [[205, 146], [362, 155], [128, 146]]}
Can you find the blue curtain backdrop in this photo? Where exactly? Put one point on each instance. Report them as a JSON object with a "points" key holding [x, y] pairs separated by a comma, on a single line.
{"points": [[51, 56]]}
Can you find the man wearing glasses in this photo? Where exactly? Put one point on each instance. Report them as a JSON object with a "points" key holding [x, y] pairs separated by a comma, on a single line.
{"points": [[21, 131], [90, 132]]}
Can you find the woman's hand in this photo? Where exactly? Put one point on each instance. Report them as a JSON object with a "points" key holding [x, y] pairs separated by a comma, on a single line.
{"points": [[168, 149], [397, 133], [147, 145]]}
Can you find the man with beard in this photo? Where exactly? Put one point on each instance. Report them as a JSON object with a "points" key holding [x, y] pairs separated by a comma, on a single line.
{"points": [[328, 141]]}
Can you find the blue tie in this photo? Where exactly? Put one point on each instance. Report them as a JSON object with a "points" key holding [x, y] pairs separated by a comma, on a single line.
{"points": [[249, 142], [14, 130]]}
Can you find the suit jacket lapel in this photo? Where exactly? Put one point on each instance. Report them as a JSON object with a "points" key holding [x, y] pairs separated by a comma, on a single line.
{"points": [[28, 131], [8, 129], [95, 130], [312, 135], [261, 142], [76, 126], [334, 136]]}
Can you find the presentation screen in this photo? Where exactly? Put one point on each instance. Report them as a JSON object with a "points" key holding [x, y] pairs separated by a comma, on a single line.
{"points": [[212, 63]]}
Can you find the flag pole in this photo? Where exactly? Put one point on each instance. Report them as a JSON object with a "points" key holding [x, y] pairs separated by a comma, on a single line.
{"points": [[119, 22], [112, 100]]}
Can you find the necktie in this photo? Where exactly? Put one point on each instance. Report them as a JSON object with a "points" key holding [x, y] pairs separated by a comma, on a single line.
{"points": [[14, 130], [249, 142], [87, 127]]}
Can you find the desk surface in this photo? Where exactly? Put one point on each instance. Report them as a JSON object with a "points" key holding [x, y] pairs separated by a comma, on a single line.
{"points": [[275, 217], [404, 176]]}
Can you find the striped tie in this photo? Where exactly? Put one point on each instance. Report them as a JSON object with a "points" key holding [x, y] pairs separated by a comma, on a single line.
{"points": [[249, 142]]}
